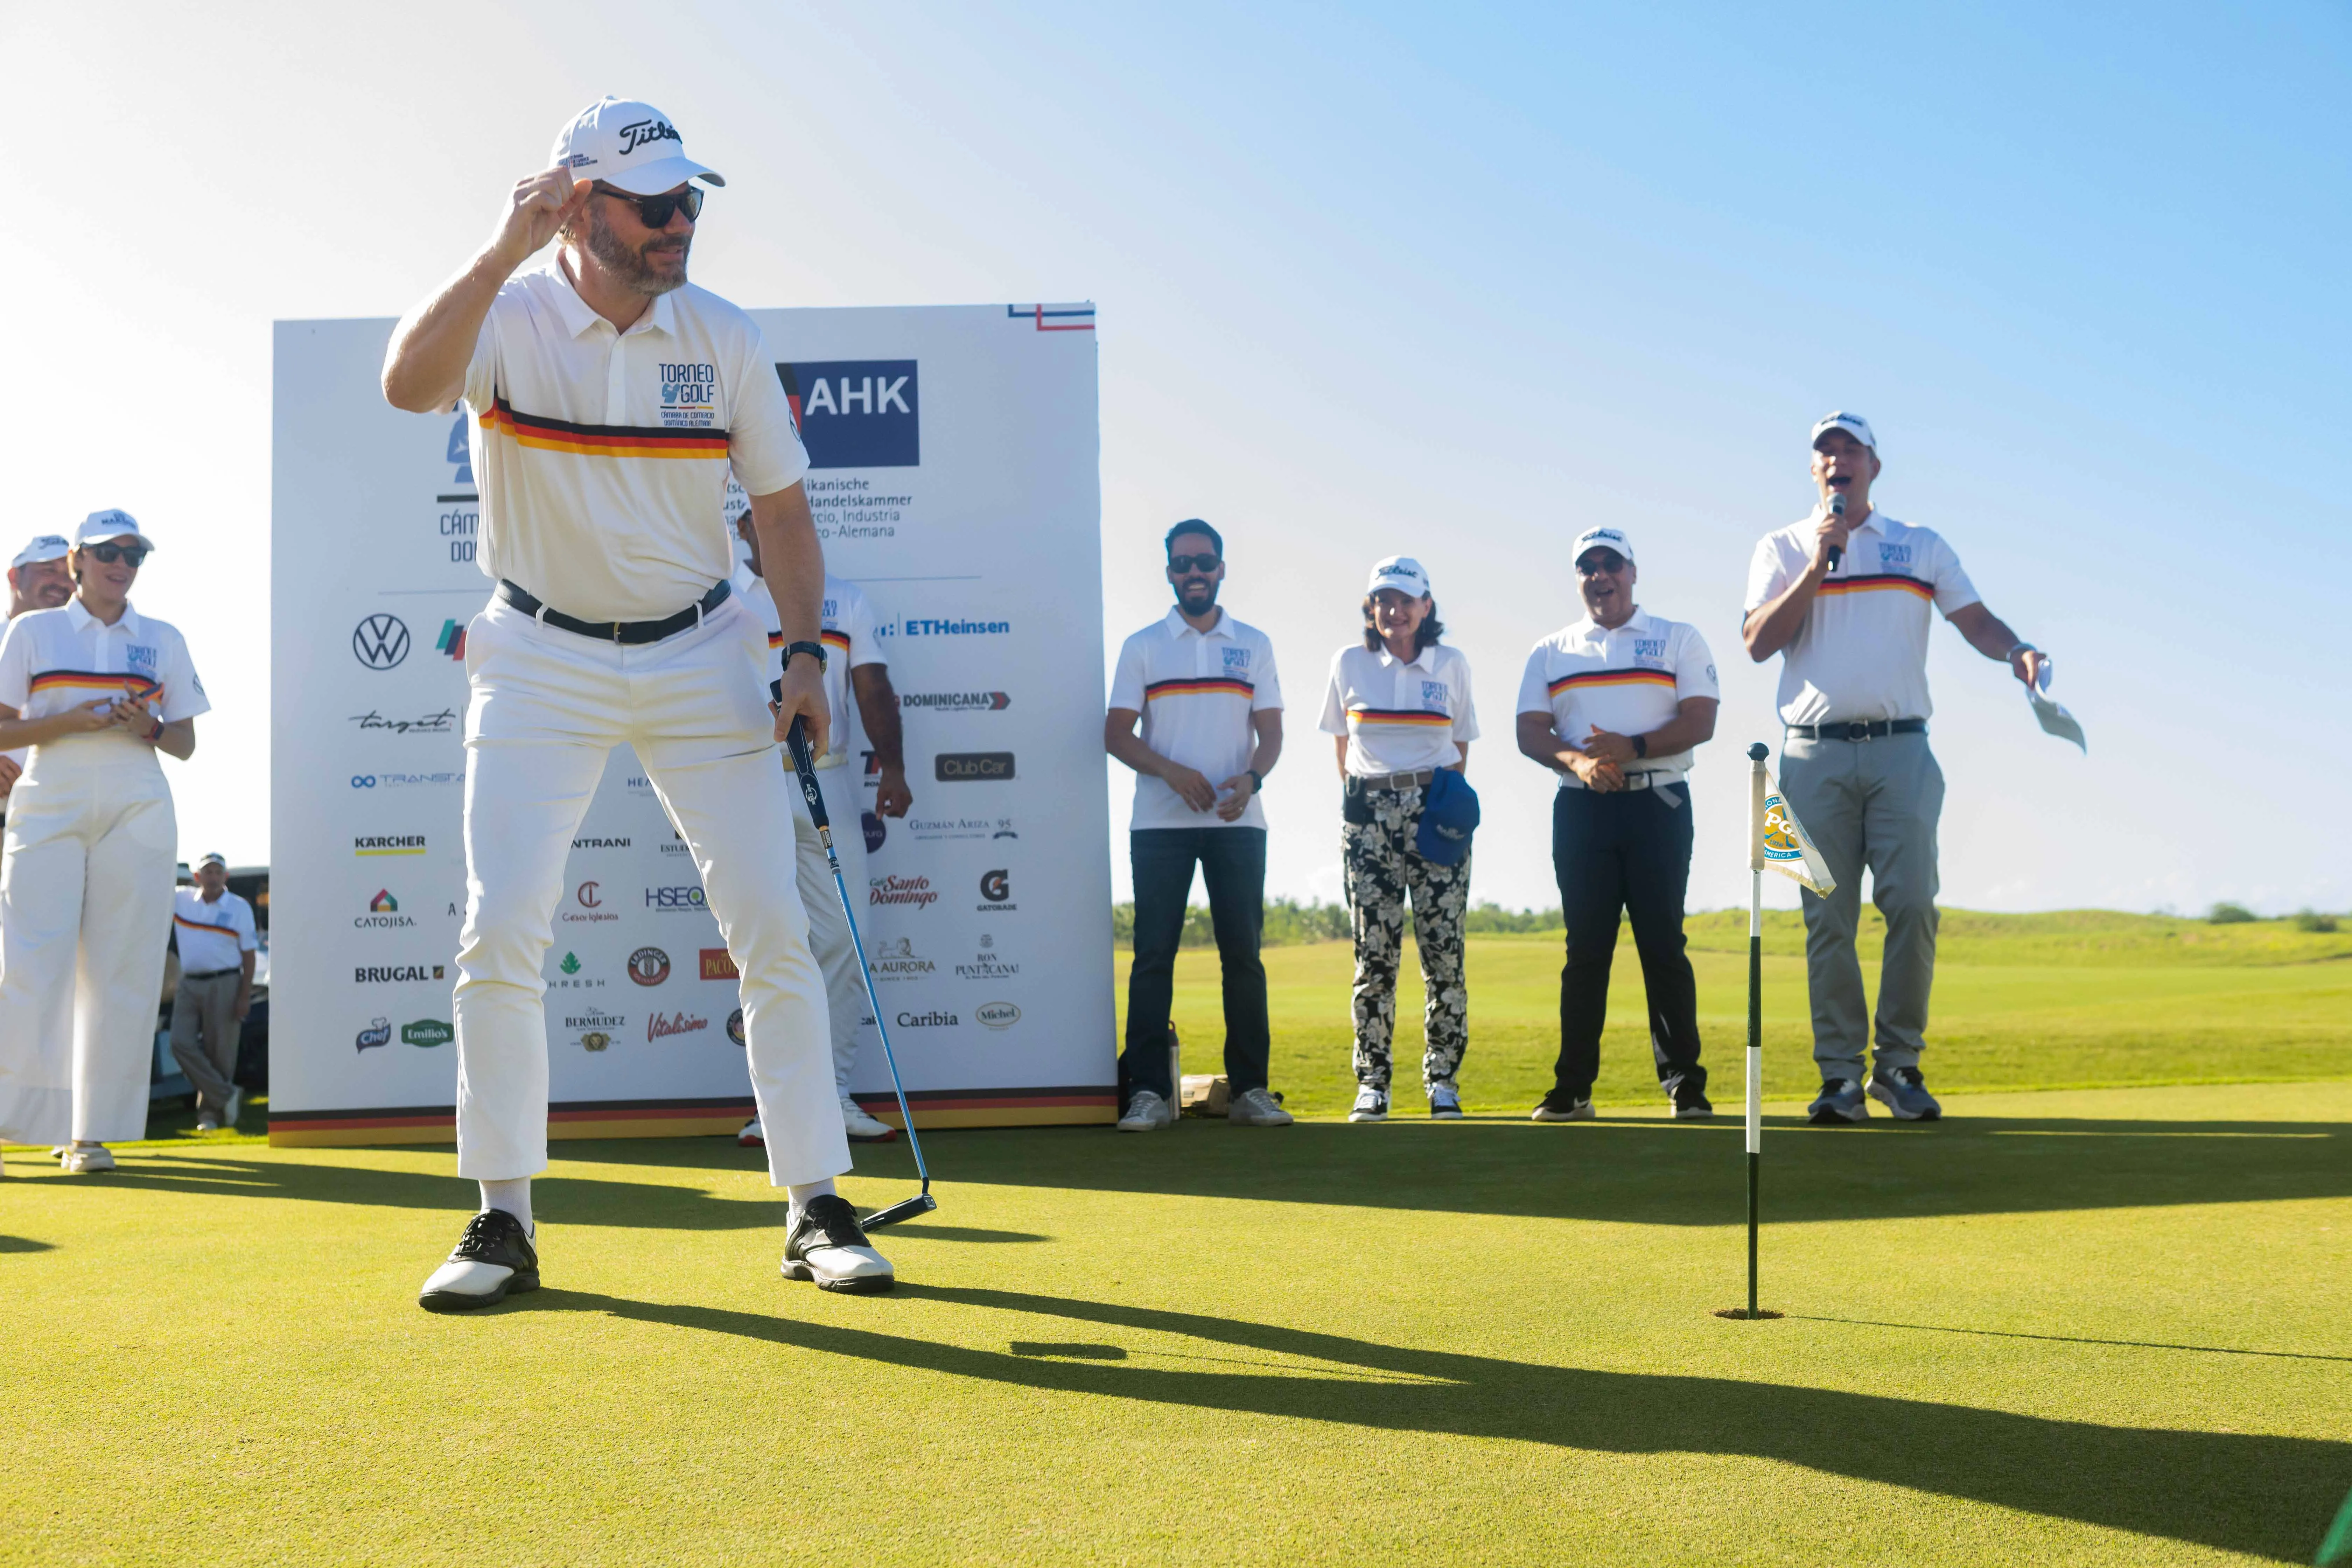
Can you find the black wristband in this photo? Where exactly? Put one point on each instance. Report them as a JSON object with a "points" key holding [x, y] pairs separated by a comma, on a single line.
{"points": [[1257, 780], [814, 649], [1640, 746]]}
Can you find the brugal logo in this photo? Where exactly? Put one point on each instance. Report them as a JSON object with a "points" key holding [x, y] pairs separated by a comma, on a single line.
{"points": [[855, 414]]}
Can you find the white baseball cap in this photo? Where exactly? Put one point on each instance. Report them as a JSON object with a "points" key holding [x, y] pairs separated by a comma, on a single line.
{"points": [[214, 858], [112, 523], [1601, 538], [630, 146], [45, 547], [1853, 424], [1401, 572]]}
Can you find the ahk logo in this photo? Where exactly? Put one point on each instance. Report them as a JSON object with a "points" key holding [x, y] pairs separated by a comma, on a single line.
{"points": [[855, 414], [380, 642]]}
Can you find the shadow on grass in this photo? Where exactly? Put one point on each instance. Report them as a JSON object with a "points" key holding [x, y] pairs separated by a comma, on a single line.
{"points": [[2263, 1495], [2070, 1339], [26, 1243]]}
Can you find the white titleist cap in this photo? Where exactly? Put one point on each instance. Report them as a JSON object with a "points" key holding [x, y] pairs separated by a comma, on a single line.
{"points": [[628, 146], [1593, 539], [1853, 424], [112, 523], [47, 547], [214, 858], [1401, 572]]}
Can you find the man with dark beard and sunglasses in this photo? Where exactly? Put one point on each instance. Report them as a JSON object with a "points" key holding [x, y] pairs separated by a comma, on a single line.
{"points": [[1204, 687], [612, 401]]}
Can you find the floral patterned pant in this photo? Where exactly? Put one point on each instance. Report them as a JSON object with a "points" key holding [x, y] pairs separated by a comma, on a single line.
{"points": [[1383, 868]]}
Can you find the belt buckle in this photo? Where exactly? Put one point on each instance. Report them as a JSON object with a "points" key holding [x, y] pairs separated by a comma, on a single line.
{"points": [[1859, 732]]}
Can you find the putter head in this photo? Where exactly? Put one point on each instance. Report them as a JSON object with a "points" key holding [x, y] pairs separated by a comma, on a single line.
{"points": [[921, 1203]]}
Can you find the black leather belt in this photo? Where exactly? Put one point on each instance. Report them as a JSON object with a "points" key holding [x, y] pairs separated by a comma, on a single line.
{"points": [[617, 631], [209, 974], [1874, 730], [1413, 780]]}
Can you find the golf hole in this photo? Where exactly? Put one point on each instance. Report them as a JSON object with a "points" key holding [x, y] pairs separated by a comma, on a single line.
{"points": [[1744, 1312]]}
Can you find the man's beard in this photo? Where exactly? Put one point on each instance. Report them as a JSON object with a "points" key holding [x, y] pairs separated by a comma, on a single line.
{"points": [[1207, 595], [629, 267]]}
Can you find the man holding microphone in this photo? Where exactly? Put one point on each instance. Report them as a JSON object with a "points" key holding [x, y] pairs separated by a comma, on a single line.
{"points": [[1844, 596]]}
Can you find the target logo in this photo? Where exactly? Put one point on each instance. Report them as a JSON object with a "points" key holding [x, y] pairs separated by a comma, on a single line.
{"points": [[649, 966]]}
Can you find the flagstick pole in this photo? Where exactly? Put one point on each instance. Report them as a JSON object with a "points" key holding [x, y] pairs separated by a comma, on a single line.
{"points": [[1755, 756]]}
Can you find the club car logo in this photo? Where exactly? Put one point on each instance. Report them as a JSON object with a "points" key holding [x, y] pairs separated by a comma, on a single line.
{"points": [[427, 1032], [997, 1015], [855, 414], [973, 767], [383, 914], [379, 641], [377, 1033], [905, 892], [658, 1027]]}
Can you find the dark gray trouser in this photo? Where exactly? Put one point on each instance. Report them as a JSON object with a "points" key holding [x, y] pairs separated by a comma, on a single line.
{"points": [[206, 1004], [1875, 803]]}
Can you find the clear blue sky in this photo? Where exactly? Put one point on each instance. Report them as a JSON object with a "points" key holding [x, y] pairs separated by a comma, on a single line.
{"points": [[1454, 282]]}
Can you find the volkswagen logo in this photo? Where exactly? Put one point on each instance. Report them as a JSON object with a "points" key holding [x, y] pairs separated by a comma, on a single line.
{"points": [[380, 642]]}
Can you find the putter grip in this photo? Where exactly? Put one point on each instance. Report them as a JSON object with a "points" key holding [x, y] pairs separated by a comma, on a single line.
{"points": [[796, 742]]}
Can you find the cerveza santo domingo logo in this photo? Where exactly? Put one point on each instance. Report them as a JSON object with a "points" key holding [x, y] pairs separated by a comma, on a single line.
{"points": [[537, 433], [856, 413]]}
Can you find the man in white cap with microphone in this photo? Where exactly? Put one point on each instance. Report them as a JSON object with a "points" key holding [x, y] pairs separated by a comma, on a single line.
{"points": [[1845, 598], [612, 401], [38, 580]]}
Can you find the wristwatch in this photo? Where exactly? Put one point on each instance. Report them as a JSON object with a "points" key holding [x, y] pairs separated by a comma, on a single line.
{"points": [[814, 649], [1640, 746], [1257, 780]]}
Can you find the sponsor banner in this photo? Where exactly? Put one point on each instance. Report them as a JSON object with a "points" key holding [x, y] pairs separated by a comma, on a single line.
{"points": [[953, 477]]}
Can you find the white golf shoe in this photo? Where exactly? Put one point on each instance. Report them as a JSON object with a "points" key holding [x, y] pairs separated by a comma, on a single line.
{"points": [[827, 1247], [862, 1128], [1146, 1112], [492, 1260], [1372, 1105], [752, 1137], [86, 1162]]}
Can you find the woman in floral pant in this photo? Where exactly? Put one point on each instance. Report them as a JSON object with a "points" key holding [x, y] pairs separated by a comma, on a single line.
{"points": [[1398, 707]]}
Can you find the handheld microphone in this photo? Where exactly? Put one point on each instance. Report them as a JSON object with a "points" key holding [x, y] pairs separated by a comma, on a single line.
{"points": [[1837, 509]]}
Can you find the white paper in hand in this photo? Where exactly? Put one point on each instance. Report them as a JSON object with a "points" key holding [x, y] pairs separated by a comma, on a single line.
{"points": [[2053, 720]]}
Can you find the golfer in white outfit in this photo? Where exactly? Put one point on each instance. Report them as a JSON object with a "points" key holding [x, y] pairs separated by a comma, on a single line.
{"points": [[611, 400], [38, 580], [856, 686], [96, 690]]}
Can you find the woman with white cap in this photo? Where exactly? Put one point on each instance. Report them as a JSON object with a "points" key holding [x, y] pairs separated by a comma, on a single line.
{"points": [[95, 689], [1399, 706]]}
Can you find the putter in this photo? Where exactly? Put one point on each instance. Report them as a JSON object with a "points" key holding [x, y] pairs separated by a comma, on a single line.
{"points": [[796, 742]]}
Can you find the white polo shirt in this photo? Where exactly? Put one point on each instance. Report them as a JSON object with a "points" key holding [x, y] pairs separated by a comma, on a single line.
{"points": [[603, 456], [1630, 680], [1196, 691], [1862, 653], [849, 642], [51, 661], [1400, 716], [212, 937]]}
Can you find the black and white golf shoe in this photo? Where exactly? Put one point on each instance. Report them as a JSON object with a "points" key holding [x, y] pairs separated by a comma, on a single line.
{"points": [[493, 1260], [827, 1246]]}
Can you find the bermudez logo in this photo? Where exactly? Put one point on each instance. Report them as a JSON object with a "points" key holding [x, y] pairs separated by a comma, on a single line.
{"points": [[379, 641], [427, 1032], [592, 1030], [671, 901], [996, 891], [968, 701], [716, 964], [377, 1033], [649, 966], [973, 767], [855, 414]]}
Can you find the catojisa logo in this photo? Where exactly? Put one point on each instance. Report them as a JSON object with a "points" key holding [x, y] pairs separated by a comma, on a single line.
{"points": [[649, 966], [933, 1019], [658, 1027], [955, 701], [669, 901], [913, 892], [996, 891], [383, 913], [380, 642], [973, 767]]}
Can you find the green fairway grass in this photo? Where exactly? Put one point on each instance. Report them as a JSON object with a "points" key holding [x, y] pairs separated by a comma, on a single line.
{"points": [[2083, 999], [2098, 1327]]}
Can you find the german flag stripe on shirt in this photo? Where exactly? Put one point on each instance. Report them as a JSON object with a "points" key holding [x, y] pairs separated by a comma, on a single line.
{"points": [[1888, 582], [1594, 677], [545, 435], [1201, 686], [91, 683], [836, 639], [181, 919], [1400, 716]]}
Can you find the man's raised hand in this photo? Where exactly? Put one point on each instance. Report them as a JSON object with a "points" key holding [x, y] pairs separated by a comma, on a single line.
{"points": [[538, 207]]}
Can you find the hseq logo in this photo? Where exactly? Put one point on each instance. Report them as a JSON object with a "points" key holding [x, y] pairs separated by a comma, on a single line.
{"points": [[855, 414]]}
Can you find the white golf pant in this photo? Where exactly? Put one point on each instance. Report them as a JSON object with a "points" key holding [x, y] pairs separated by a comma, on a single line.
{"points": [[85, 912], [844, 988], [548, 707]]}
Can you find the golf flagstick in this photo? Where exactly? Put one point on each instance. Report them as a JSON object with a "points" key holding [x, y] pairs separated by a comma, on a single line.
{"points": [[796, 742], [1755, 756]]}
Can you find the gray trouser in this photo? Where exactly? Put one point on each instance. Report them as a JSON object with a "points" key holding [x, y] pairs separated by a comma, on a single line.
{"points": [[1875, 803], [205, 1004], [844, 988]]}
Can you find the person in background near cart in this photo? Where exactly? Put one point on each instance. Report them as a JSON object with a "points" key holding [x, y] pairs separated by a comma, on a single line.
{"points": [[214, 930], [1204, 687], [96, 690], [1844, 596], [854, 664], [38, 579], [1399, 710], [1615, 705]]}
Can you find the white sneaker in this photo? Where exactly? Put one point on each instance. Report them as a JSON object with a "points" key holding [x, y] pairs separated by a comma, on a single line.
{"points": [[80, 1161], [1372, 1105], [205, 1123], [1256, 1108], [1446, 1102], [229, 1112], [826, 1246], [751, 1137], [862, 1128], [1146, 1112]]}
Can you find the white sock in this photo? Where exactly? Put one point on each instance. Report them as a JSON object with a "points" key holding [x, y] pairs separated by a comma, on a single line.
{"points": [[801, 1193], [512, 1196]]}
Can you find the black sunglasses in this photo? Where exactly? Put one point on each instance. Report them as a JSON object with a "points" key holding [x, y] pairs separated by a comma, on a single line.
{"points": [[1179, 565], [654, 211], [111, 552], [1600, 563]]}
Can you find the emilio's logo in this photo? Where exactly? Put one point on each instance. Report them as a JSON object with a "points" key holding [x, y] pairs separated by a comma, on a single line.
{"points": [[638, 132], [856, 413]]}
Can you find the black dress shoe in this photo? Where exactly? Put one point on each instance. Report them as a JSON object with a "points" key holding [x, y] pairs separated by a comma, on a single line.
{"points": [[491, 1261]]}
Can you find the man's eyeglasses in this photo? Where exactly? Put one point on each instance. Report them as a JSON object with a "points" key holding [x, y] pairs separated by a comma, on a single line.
{"points": [[1179, 565], [111, 552], [654, 211], [1602, 564]]}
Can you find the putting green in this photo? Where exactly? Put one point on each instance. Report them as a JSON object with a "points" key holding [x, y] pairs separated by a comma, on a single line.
{"points": [[2067, 1327]]}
